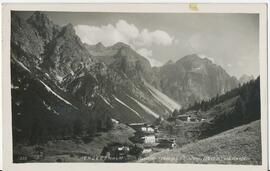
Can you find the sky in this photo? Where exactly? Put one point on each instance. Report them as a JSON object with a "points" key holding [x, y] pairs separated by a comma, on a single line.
{"points": [[229, 40]]}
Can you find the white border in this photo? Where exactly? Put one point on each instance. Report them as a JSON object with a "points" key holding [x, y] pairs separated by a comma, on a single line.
{"points": [[169, 8]]}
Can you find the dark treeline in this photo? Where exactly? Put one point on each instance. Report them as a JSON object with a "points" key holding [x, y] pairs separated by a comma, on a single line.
{"points": [[247, 109], [244, 91]]}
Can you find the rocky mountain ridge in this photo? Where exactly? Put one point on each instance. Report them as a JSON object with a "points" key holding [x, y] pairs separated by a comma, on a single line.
{"points": [[57, 55], [118, 75], [192, 78]]}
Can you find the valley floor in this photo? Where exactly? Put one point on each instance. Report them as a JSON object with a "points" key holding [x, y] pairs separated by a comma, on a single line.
{"points": [[75, 150], [241, 145]]}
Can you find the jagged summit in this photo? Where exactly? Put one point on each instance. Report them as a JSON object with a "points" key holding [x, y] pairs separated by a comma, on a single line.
{"points": [[99, 50], [39, 18], [68, 29], [44, 26], [26, 37]]}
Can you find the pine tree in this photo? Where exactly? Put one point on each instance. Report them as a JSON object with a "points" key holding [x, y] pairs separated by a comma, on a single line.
{"points": [[157, 121], [175, 113]]}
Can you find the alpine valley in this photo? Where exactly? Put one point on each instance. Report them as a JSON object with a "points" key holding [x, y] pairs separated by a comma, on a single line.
{"points": [[72, 101]]}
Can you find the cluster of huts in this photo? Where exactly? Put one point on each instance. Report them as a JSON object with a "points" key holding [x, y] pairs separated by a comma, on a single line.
{"points": [[189, 118], [116, 152], [145, 138], [146, 135], [145, 141]]}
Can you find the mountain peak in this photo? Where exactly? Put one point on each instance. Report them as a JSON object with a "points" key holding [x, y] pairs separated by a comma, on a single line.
{"points": [[196, 58], [194, 77], [44, 26], [69, 26], [191, 57], [100, 45], [119, 45], [40, 19], [68, 29]]}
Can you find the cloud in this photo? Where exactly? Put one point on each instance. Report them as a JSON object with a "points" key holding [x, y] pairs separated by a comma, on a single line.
{"points": [[127, 33], [158, 37], [145, 52], [204, 56], [122, 32], [148, 55], [108, 35]]}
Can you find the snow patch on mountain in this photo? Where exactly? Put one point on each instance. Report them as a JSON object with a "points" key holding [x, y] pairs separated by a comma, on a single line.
{"points": [[148, 110], [134, 111], [162, 98], [115, 121], [21, 64], [47, 75], [196, 69], [61, 98], [50, 108], [106, 101]]}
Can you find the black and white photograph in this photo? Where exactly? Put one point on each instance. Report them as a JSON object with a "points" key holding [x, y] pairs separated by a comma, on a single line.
{"points": [[133, 87]]}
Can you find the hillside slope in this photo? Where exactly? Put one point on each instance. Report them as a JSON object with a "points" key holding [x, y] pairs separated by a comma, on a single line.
{"points": [[41, 112], [241, 145], [210, 117]]}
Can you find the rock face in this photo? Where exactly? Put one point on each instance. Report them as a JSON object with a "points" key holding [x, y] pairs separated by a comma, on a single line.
{"points": [[26, 43], [42, 108], [122, 58], [192, 78], [66, 55]]}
